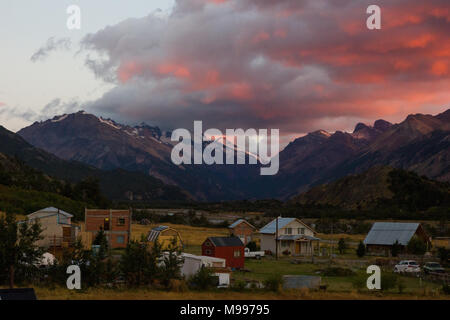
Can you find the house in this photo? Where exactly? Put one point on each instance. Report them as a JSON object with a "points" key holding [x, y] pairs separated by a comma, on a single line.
{"points": [[383, 235], [193, 263], [165, 235], [58, 230], [294, 237], [243, 230], [115, 223], [229, 248]]}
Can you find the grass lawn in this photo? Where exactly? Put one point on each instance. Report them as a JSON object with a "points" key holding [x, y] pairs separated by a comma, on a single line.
{"points": [[267, 267]]}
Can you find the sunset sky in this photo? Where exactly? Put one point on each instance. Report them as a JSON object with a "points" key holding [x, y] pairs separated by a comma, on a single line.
{"points": [[294, 65]]}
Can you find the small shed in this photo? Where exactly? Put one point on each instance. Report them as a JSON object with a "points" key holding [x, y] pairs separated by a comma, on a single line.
{"points": [[383, 235], [229, 248], [165, 235], [242, 229]]}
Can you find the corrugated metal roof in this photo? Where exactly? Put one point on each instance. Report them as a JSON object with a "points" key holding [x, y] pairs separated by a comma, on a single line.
{"points": [[226, 241], [386, 233], [237, 222], [52, 210], [234, 224], [154, 233], [270, 228]]}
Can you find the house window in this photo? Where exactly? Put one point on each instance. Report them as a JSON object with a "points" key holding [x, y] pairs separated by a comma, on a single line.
{"points": [[249, 238], [237, 253], [302, 230], [121, 221], [120, 239], [288, 230]]}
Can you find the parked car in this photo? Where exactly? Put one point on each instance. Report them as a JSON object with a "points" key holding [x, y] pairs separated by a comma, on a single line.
{"points": [[433, 267], [407, 266], [253, 254]]}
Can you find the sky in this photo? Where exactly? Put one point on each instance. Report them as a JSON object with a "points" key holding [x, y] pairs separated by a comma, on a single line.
{"points": [[297, 66]]}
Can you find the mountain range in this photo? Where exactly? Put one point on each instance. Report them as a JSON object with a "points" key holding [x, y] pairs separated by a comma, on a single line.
{"points": [[420, 143]]}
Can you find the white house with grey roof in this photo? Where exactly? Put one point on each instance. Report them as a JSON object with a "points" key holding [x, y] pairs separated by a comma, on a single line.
{"points": [[294, 237], [383, 235], [57, 227]]}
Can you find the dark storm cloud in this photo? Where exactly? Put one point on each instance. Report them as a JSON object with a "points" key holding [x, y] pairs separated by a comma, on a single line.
{"points": [[283, 64]]}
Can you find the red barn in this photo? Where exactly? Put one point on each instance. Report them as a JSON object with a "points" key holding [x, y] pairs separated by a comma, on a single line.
{"points": [[229, 248]]}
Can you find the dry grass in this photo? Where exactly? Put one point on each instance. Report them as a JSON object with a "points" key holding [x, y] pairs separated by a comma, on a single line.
{"points": [[337, 236], [142, 294], [192, 236]]}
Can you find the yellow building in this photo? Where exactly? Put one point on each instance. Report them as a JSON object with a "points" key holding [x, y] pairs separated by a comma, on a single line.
{"points": [[165, 235]]}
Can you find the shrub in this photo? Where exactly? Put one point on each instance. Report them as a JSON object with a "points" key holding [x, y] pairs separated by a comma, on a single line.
{"points": [[388, 281], [239, 285], [416, 246], [203, 279], [273, 283], [446, 288], [359, 282], [252, 246], [396, 247], [361, 250], [342, 246], [444, 255], [338, 272], [177, 285]]}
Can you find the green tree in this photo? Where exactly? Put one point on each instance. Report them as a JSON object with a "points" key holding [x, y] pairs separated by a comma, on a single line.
{"points": [[444, 255], [102, 241], [140, 263], [203, 279], [342, 246], [172, 262], [417, 246], [396, 247], [361, 250], [18, 249]]}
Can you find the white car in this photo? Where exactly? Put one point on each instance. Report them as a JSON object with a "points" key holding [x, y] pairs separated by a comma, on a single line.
{"points": [[407, 266], [253, 254]]}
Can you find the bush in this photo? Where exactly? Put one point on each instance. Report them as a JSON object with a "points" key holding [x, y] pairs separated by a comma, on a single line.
{"points": [[444, 255], [176, 285], [239, 285], [361, 250], [273, 283], [416, 246], [359, 282], [338, 272], [203, 279], [342, 246], [388, 281], [446, 289], [252, 246], [396, 247]]}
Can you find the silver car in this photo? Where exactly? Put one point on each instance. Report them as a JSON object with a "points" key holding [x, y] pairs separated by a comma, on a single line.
{"points": [[407, 266]]}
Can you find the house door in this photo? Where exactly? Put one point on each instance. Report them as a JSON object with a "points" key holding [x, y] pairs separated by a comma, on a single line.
{"points": [[297, 247], [67, 234]]}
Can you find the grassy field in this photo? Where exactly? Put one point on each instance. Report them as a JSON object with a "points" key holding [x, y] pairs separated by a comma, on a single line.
{"points": [[191, 236], [265, 268]]}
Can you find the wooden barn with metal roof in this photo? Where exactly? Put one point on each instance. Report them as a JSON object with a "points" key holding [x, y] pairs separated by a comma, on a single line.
{"points": [[383, 235]]}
